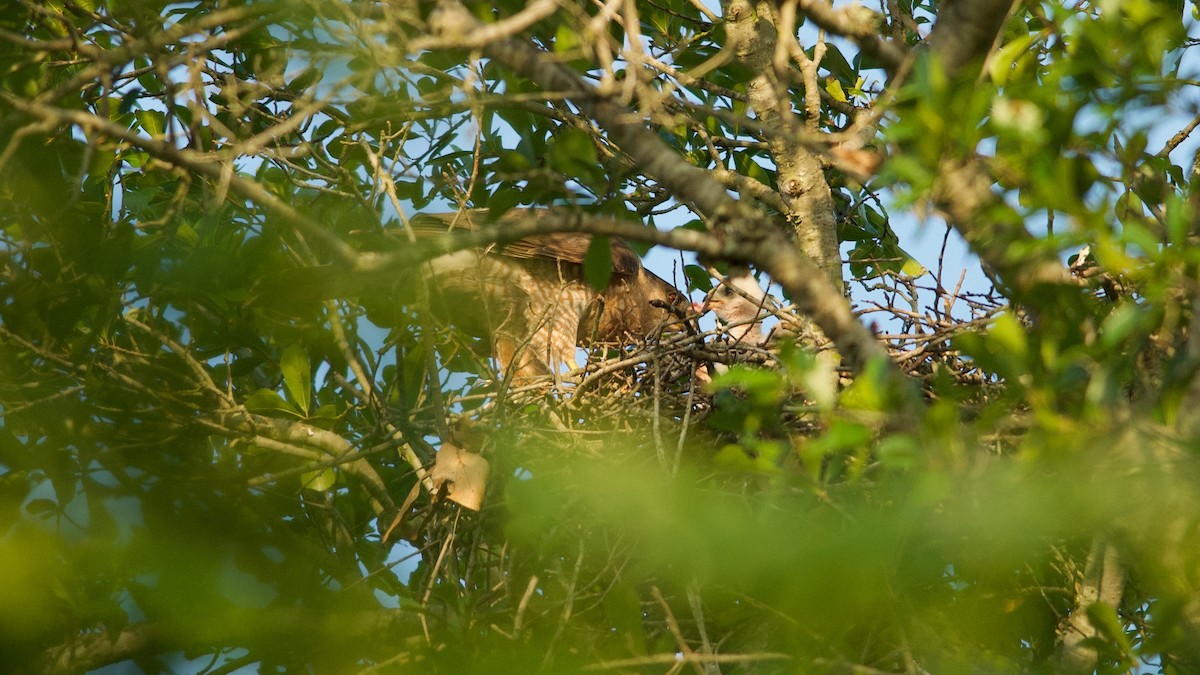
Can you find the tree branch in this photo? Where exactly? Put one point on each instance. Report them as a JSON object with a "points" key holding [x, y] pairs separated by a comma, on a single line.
{"points": [[753, 35], [860, 25], [88, 651], [626, 128], [966, 30], [305, 441], [1103, 581]]}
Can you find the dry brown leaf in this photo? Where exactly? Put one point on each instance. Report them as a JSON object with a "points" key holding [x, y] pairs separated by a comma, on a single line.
{"points": [[860, 163], [460, 475]]}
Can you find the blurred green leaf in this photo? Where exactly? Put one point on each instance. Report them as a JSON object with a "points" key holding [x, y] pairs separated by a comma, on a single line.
{"points": [[151, 121], [267, 401], [297, 376], [597, 263], [319, 480], [698, 277]]}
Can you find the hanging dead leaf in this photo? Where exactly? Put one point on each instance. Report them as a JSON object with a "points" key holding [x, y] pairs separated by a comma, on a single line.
{"points": [[859, 163], [460, 475]]}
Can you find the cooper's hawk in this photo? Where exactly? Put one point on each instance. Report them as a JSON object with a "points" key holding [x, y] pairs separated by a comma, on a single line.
{"points": [[738, 301], [530, 299]]}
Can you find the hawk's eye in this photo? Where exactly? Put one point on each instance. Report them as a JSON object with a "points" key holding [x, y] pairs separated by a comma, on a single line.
{"points": [[672, 296]]}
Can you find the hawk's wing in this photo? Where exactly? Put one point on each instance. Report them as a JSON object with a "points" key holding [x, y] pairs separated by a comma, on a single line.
{"points": [[561, 247]]}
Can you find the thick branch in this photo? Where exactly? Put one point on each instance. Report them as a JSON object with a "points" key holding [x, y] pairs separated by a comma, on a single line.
{"points": [[306, 439], [626, 128], [963, 192], [802, 184], [1103, 581], [93, 650], [966, 30], [859, 24]]}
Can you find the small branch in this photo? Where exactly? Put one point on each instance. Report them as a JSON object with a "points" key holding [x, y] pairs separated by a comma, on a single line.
{"points": [[1180, 137], [672, 625], [453, 33], [626, 128], [662, 659], [860, 25], [303, 440]]}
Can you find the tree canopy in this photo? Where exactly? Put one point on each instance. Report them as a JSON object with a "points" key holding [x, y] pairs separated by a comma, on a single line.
{"points": [[233, 437]]}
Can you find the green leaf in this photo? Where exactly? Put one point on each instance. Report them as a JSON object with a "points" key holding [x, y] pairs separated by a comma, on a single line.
{"points": [[834, 87], [1104, 618], [267, 401], [837, 64], [597, 263], [187, 233], [573, 153], [698, 277], [328, 411], [511, 161], [297, 376], [565, 39], [899, 452], [319, 480], [1007, 336], [504, 200], [911, 267], [151, 121], [307, 78], [623, 607], [1120, 324], [1006, 57], [128, 101]]}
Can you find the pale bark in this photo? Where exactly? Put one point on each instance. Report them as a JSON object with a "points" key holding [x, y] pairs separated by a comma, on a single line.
{"points": [[753, 36], [1103, 580]]}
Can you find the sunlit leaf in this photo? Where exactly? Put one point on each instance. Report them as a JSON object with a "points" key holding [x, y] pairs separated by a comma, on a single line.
{"points": [[319, 480], [834, 87], [267, 401], [297, 376]]}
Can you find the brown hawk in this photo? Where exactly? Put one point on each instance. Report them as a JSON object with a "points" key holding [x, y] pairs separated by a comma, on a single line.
{"points": [[530, 299]]}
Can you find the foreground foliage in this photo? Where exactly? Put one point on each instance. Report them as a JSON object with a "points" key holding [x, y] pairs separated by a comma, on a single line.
{"points": [[221, 397]]}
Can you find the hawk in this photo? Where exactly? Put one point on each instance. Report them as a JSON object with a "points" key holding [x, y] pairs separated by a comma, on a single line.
{"points": [[530, 300], [739, 302]]}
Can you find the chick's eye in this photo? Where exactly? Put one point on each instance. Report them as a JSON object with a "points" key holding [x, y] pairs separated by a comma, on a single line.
{"points": [[725, 290]]}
